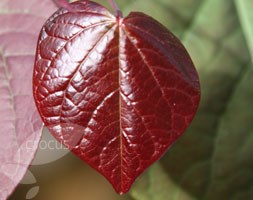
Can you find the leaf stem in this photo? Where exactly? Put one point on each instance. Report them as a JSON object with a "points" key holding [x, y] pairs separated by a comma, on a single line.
{"points": [[63, 4], [116, 9]]}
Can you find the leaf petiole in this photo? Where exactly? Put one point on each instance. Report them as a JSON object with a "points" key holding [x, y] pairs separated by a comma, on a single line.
{"points": [[116, 9], [64, 4]]}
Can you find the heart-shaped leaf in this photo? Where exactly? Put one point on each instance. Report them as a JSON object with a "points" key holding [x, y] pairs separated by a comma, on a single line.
{"points": [[20, 122], [117, 91]]}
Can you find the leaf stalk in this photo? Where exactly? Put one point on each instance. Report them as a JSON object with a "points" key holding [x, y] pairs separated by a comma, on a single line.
{"points": [[116, 9]]}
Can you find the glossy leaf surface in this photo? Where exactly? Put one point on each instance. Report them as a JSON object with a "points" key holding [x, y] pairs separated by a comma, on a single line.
{"points": [[117, 92], [20, 122]]}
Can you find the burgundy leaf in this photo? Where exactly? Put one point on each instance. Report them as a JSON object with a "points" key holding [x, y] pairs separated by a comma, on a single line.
{"points": [[117, 91], [20, 123]]}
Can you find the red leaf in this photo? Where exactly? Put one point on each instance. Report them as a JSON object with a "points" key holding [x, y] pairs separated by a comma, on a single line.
{"points": [[118, 92], [20, 122]]}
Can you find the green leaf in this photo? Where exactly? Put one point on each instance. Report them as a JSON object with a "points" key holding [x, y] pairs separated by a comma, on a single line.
{"points": [[232, 163], [213, 159], [245, 13], [155, 184]]}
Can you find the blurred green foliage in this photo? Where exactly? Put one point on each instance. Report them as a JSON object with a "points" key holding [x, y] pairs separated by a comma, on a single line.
{"points": [[245, 13], [213, 160]]}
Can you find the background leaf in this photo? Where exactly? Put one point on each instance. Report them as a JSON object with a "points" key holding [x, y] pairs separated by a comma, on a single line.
{"points": [[155, 184], [20, 123], [244, 8]]}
